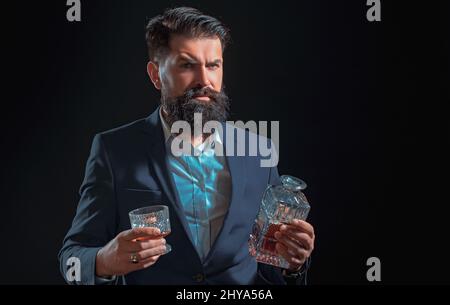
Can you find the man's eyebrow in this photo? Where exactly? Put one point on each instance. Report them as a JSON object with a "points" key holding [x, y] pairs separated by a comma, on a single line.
{"points": [[186, 58], [193, 60], [216, 61]]}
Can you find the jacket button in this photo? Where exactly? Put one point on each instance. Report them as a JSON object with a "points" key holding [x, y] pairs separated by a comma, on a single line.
{"points": [[198, 277]]}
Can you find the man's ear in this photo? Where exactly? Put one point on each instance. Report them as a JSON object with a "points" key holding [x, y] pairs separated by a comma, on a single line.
{"points": [[153, 73]]}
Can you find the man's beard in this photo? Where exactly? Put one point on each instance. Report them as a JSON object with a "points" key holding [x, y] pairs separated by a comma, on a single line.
{"points": [[183, 107]]}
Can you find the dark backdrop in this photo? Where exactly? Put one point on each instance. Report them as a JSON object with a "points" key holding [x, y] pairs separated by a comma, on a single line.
{"points": [[360, 105]]}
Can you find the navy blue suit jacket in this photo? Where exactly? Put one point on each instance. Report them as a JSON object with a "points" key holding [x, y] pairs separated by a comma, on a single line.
{"points": [[127, 169]]}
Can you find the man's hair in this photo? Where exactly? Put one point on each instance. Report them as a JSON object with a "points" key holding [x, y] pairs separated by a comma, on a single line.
{"points": [[185, 21]]}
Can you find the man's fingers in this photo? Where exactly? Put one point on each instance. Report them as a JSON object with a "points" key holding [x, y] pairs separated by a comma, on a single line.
{"points": [[149, 261], [292, 246], [294, 262], [135, 233], [300, 226], [144, 259], [139, 245], [301, 238], [145, 263], [144, 254]]}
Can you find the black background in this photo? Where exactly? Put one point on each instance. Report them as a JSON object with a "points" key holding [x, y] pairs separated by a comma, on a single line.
{"points": [[361, 108]]}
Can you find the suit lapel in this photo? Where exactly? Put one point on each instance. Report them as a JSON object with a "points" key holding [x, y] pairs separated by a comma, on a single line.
{"points": [[157, 155], [237, 168]]}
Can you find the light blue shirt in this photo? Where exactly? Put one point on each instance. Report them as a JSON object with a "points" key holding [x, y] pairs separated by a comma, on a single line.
{"points": [[203, 183]]}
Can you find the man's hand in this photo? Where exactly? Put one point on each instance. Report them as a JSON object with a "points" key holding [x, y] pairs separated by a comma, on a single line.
{"points": [[145, 244], [295, 243]]}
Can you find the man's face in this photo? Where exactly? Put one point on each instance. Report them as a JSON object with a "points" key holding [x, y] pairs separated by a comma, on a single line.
{"points": [[191, 63], [190, 79]]}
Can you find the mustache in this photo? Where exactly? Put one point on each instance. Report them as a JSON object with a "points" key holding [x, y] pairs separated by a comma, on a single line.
{"points": [[198, 91]]}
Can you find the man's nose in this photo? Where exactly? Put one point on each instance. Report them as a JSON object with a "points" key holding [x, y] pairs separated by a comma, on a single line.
{"points": [[202, 78]]}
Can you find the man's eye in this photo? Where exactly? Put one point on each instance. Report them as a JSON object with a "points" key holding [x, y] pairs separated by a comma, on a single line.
{"points": [[213, 66], [186, 65]]}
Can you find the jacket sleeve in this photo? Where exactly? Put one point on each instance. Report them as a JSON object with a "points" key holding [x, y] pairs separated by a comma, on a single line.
{"points": [[94, 224]]}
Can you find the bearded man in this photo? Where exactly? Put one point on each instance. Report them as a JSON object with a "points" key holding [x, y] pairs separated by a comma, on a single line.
{"points": [[213, 199]]}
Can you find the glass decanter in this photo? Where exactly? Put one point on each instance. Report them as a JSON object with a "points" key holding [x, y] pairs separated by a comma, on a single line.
{"points": [[280, 204]]}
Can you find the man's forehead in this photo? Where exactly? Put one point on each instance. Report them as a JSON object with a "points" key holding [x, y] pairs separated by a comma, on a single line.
{"points": [[195, 48], [194, 58]]}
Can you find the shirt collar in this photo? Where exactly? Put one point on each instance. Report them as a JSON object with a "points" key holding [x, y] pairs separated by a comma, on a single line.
{"points": [[215, 138]]}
